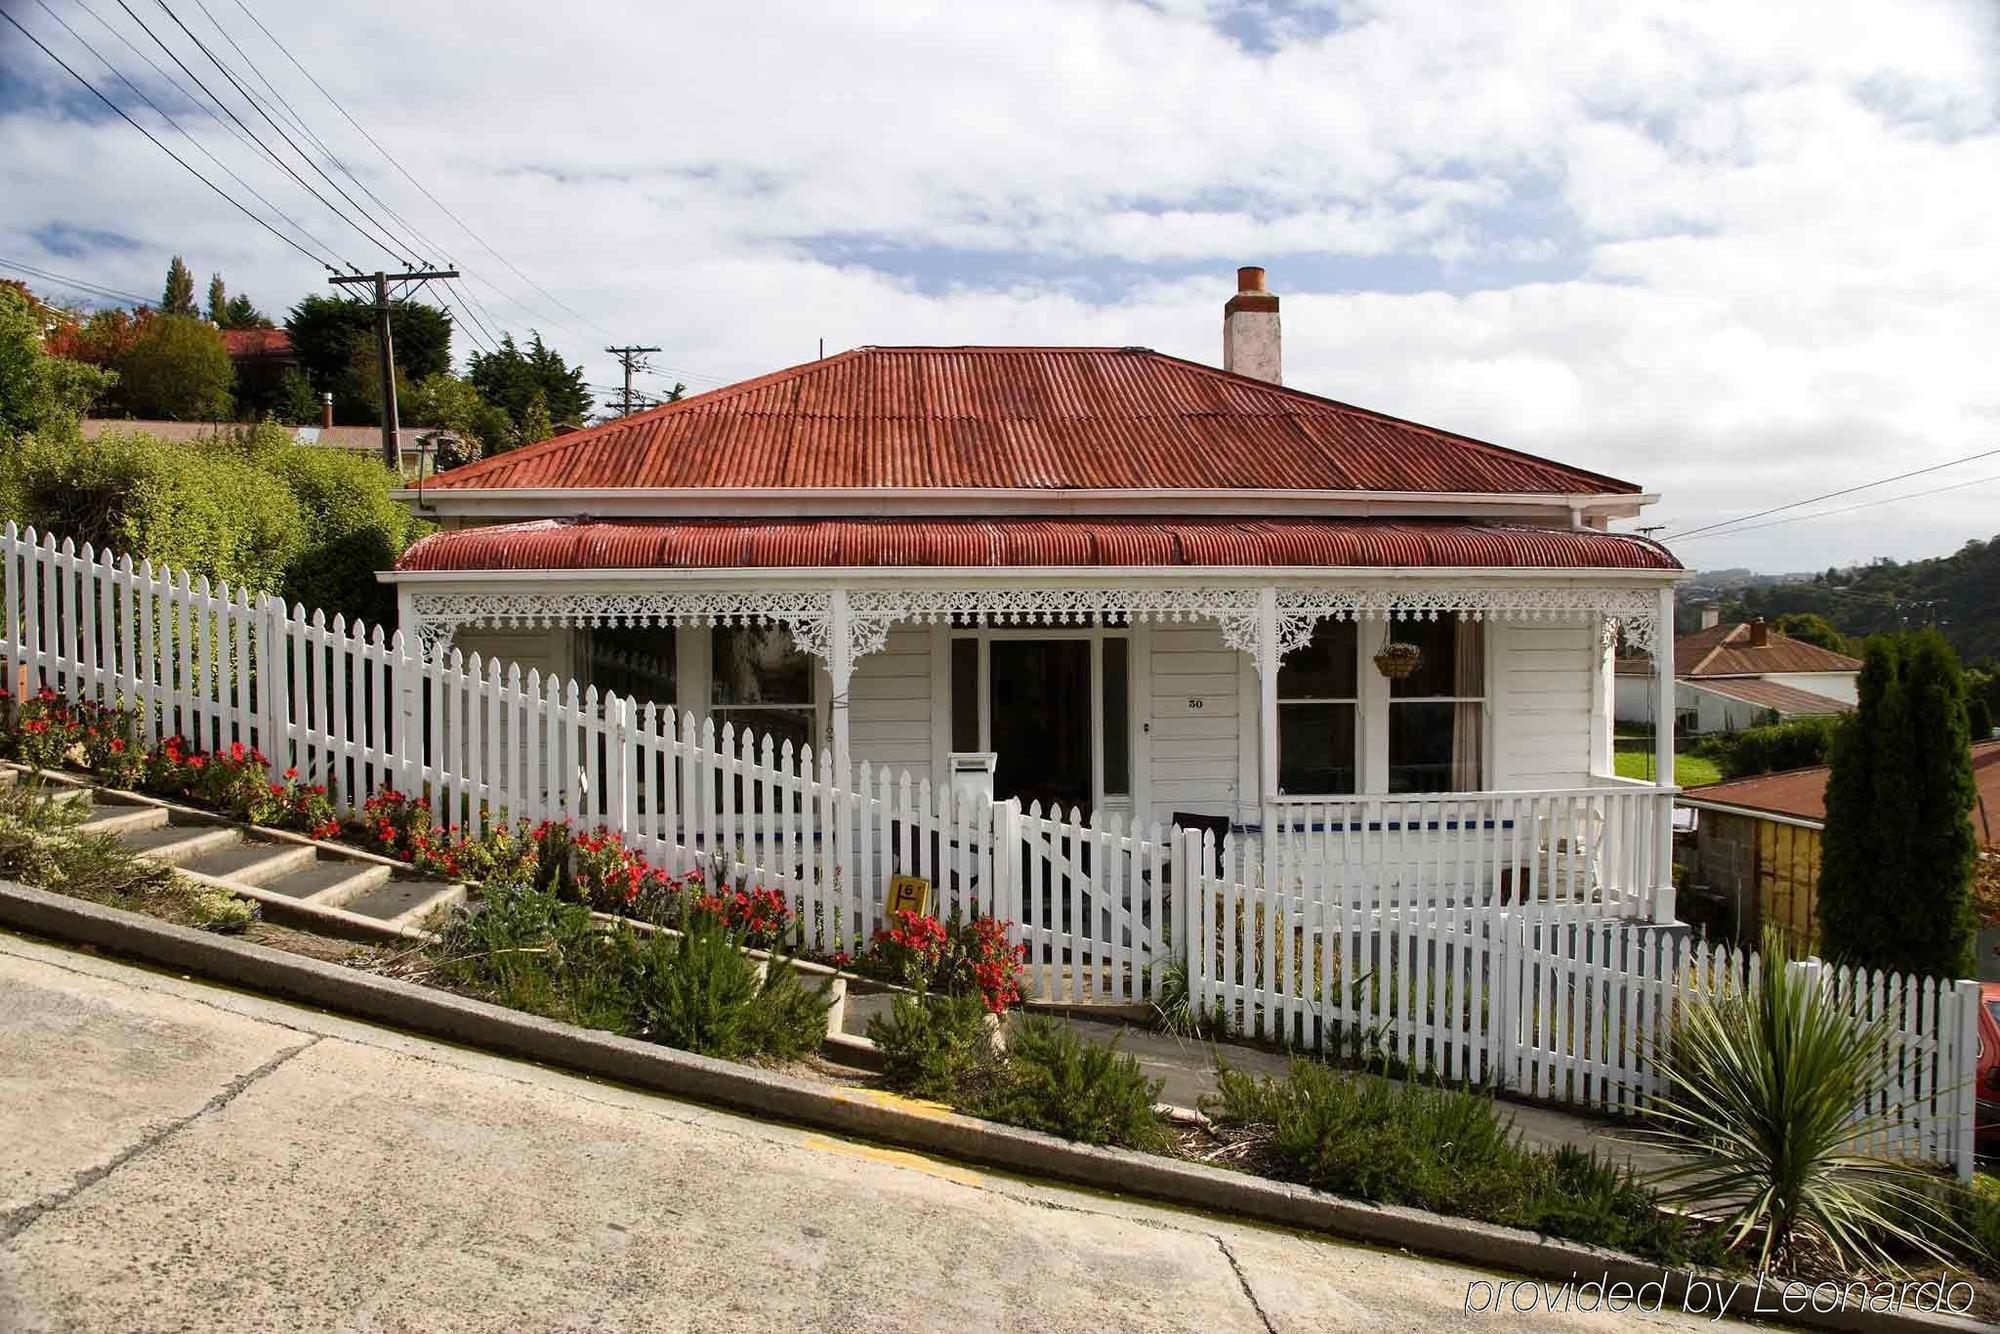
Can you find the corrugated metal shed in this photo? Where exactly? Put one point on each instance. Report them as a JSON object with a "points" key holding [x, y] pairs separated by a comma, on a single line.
{"points": [[1034, 418], [772, 543]]}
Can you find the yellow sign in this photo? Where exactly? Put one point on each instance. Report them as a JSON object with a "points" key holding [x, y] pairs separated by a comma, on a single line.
{"points": [[909, 893]]}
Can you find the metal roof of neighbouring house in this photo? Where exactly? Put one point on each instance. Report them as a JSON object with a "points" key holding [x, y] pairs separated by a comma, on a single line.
{"points": [[1019, 418], [1726, 650], [359, 439], [1800, 794], [1789, 701], [245, 344], [550, 544]]}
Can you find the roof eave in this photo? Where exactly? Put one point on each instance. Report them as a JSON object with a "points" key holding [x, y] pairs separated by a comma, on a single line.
{"points": [[563, 502]]}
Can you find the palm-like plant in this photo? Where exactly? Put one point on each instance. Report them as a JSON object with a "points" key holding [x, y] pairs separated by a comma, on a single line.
{"points": [[1768, 1097]]}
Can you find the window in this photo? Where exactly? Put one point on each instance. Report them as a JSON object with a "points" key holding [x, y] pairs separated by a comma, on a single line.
{"points": [[1117, 718], [1318, 695], [760, 680], [1437, 714], [634, 661]]}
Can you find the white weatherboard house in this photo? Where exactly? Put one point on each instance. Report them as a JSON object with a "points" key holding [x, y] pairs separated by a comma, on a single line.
{"points": [[1149, 589]]}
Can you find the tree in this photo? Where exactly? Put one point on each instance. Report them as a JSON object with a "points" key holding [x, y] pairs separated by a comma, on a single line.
{"points": [[178, 298], [176, 369], [39, 392], [535, 423], [1898, 852], [218, 300], [328, 332], [510, 378], [241, 313], [449, 403], [1812, 628]]}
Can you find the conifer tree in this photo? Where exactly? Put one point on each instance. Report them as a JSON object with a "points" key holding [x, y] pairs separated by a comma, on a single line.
{"points": [[1898, 852], [178, 298], [218, 301]]}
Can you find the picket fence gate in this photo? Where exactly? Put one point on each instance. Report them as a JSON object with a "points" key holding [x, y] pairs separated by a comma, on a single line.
{"points": [[1505, 954]]}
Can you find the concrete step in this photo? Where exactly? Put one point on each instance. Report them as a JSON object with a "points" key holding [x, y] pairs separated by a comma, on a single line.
{"points": [[405, 901], [117, 817], [252, 861], [328, 882], [178, 844]]}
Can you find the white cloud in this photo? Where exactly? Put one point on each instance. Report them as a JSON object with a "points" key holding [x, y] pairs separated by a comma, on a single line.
{"points": [[1758, 238]]}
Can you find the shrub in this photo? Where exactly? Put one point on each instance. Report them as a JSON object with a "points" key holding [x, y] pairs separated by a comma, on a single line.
{"points": [[938, 1047], [1441, 1149], [1768, 1091], [759, 917], [1797, 744], [1057, 1081], [695, 989], [305, 807], [614, 878], [353, 527], [177, 368], [529, 951]]}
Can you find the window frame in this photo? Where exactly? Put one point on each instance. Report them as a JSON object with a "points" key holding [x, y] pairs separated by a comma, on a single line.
{"points": [[1485, 702], [741, 715], [1357, 702]]}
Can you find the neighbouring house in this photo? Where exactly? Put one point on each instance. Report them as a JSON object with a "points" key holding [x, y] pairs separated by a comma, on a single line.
{"points": [[1729, 677], [1753, 856], [1120, 583]]}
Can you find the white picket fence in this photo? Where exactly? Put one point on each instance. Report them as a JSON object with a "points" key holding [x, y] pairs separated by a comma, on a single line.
{"points": [[1496, 937], [1549, 1002]]}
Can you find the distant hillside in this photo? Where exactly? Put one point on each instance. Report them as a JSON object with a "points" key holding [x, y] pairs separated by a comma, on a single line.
{"points": [[1959, 593]]}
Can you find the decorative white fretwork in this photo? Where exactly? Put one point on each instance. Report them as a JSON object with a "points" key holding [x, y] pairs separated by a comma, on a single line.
{"points": [[439, 616], [1234, 608]]}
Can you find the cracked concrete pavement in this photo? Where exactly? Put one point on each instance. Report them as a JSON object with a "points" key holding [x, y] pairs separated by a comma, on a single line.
{"points": [[178, 1156]]}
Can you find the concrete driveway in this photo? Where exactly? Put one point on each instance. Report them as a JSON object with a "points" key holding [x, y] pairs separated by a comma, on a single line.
{"points": [[176, 1156]]}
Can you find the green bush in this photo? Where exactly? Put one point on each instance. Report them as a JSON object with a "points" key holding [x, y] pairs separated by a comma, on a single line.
{"points": [[177, 368], [938, 1047], [1976, 1210], [1442, 1149], [528, 951], [697, 990], [1059, 1082], [1797, 744], [204, 511], [249, 506]]}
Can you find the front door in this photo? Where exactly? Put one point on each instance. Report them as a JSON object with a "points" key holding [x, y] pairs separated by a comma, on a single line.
{"points": [[1040, 722]]}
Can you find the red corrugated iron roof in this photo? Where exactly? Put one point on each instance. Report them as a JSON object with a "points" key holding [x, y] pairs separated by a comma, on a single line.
{"points": [[1726, 650], [1790, 701], [769, 543], [1801, 793], [1036, 418], [241, 343]]}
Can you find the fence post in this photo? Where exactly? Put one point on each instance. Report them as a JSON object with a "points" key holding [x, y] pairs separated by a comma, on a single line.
{"points": [[1006, 862], [622, 802], [1965, 1077], [1501, 978], [274, 733], [409, 738]]}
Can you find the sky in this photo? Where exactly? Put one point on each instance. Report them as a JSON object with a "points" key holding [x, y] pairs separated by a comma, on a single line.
{"points": [[1740, 254]]}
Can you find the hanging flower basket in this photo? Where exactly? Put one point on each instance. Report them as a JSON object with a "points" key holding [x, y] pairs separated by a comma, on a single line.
{"points": [[1397, 659]]}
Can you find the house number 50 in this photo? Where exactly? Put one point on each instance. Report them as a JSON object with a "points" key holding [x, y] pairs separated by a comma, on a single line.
{"points": [[1195, 705]]}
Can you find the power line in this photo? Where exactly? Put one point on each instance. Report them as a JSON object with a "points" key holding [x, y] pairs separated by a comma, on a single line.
{"points": [[299, 122], [392, 244], [424, 190], [1830, 495], [1849, 509], [74, 284], [163, 114], [185, 165], [256, 142]]}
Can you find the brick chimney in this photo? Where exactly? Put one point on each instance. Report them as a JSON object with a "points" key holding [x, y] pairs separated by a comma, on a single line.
{"points": [[1250, 338], [1760, 633]]}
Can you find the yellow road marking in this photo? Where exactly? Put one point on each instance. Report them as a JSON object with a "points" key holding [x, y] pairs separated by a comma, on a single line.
{"points": [[896, 1158]]}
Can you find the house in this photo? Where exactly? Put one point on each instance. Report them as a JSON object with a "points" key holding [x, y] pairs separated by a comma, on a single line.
{"points": [[1729, 677], [1754, 854], [1125, 584]]}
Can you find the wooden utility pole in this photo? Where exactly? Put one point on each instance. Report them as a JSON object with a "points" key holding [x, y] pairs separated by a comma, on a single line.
{"points": [[633, 359], [392, 455]]}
